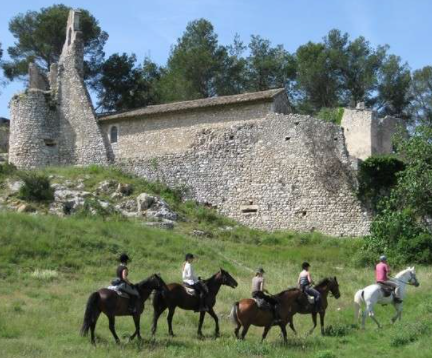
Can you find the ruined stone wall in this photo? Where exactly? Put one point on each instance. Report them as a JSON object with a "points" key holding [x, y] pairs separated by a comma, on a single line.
{"points": [[171, 133], [367, 135], [33, 130], [279, 172], [80, 141], [4, 137]]}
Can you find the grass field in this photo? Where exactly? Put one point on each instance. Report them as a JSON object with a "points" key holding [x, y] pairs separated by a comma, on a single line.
{"points": [[49, 266]]}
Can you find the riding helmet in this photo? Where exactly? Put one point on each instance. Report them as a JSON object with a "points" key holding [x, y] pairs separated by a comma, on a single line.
{"points": [[260, 270], [189, 256], [124, 258], [383, 258], [305, 265]]}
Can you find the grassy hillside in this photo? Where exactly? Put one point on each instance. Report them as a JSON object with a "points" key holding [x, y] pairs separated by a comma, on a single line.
{"points": [[49, 266]]}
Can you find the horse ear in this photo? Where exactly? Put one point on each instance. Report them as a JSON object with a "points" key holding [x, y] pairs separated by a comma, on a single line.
{"points": [[335, 278]]}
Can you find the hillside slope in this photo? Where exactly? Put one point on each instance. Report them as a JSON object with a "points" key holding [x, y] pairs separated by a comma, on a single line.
{"points": [[50, 265]]}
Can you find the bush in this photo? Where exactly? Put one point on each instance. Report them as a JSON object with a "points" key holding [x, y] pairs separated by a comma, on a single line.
{"points": [[325, 354], [400, 236], [332, 115], [7, 169], [36, 187], [410, 333], [377, 175]]}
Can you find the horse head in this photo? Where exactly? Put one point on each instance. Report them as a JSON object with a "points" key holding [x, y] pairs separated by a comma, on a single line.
{"points": [[226, 279], [334, 287], [409, 277], [154, 282]]}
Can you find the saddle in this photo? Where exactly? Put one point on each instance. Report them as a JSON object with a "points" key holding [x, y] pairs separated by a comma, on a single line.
{"points": [[262, 304], [189, 290], [387, 290], [116, 290]]}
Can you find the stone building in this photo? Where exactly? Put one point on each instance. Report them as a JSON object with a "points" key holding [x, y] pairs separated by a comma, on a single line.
{"points": [[246, 155]]}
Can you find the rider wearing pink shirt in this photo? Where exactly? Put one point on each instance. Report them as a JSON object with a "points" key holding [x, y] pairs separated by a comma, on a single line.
{"points": [[382, 271]]}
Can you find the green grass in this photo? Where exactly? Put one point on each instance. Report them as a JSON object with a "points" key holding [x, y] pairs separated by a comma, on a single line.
{"points": [[49, 266]]}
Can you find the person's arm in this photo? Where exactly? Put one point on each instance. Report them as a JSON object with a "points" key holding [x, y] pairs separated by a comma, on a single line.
{"points": [[124, 277], [186, 272], [309, 278], [298, 281], [262, 287]]}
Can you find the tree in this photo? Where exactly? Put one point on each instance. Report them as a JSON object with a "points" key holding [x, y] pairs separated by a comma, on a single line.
{"points": [[40, 36], [268, 67], [317, 83], [194, 64], [394, 82], [123, 85], [421, 92], [2, 82]]}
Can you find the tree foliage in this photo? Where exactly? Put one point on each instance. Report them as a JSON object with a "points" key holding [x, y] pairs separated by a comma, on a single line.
{"points": [[40, 36], [421, 92], [404, 225], [123, 85]]}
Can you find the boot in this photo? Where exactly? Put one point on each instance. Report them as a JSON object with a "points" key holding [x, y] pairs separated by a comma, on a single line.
{"points": [[276, 316], [203, 304]]}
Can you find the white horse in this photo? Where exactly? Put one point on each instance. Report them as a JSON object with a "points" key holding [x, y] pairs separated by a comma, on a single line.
{"points": [[373, 294]]}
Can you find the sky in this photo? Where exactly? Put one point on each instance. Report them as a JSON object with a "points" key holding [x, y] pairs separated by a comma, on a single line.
{"points": [[151, 27]]}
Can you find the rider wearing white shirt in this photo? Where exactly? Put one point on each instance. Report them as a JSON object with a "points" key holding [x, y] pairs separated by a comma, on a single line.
{"points": [[191, 280]]}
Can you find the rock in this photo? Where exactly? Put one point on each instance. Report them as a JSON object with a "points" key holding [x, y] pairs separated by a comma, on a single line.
{"points": [[161, 210], [164, 224], [124, 189], [106, 186], [25, 208], [14, 186], [128, 208], [145, 201]]}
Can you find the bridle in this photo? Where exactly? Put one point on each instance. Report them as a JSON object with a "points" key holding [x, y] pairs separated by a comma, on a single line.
{"points": [[409, 281]]}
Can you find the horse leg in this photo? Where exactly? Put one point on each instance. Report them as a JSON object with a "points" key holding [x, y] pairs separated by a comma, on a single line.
{"points": [[322, 315], [169, 319], [200, 324], [314, 320], [291, 324], [156, 315], [398, 308], [284, 332], [265, 332], [237, 330], [137, 332], [244, 331], [111, 320], [93, 327], [212, 313], [372, 315]]}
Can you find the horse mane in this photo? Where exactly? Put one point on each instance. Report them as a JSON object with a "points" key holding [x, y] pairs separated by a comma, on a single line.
{"points": [[144, 282], [291, 289], [323, 282]]}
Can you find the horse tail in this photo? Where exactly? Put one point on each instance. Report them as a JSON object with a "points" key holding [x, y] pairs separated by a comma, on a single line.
{"points": [[358, 300], [234, 314], [91, 313]]}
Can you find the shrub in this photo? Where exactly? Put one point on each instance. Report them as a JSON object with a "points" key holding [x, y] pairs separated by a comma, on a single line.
{"points": [[7, 169], [36, 187], [332, 115], [377, 175], [399, 235], [408, 334]]}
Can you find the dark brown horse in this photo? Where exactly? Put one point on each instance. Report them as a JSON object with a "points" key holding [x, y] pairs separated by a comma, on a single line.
{"points": [[246, 312], [178, 297], [110, 303]]}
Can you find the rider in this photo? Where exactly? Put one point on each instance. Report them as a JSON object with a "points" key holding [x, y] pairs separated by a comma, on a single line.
{"points": [[192, 281], [125, 285], [305, 282], [259, 293], [382, 271]]}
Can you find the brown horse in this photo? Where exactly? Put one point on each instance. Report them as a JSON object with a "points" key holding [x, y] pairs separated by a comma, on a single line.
{"points": [[178, 297], [246, 312], [110, 303]]}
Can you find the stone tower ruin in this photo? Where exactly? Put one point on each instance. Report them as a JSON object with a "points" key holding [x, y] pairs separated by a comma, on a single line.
{"points": [[53, 121]]}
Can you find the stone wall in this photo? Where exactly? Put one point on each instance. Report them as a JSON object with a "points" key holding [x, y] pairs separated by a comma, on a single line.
{"points": [[80, 141], [366, 134], [171, 133], [33, 130], [4, 136], [279, 172]]}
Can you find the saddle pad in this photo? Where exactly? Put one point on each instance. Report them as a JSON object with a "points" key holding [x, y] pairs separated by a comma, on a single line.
{"points": [[116, 290], [189, 291]]}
